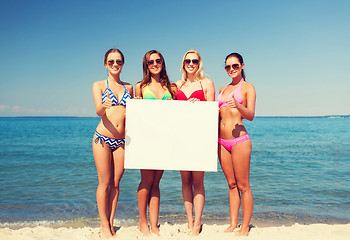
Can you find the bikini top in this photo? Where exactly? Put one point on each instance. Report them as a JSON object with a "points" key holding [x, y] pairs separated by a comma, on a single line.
{"points": [[196, 94], [148, 94], [114, 99], [236, 93]]}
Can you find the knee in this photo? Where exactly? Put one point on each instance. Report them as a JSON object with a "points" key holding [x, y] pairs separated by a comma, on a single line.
{"points": [[104, 184], [197, 184], [146, 183], [243, 187], [115, 183], [155, 185], [186, 181], [232, 184]]}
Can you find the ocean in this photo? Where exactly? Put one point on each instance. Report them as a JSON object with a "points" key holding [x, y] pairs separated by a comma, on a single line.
{"points": [[300, 172]]}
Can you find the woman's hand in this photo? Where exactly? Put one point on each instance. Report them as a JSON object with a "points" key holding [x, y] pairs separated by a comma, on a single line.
{"points": [[137, 98], [108, 102], [232, 103], [193, 100]]}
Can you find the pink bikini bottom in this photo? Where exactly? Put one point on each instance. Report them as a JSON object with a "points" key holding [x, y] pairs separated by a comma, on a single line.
{"points": [[229, 143]]}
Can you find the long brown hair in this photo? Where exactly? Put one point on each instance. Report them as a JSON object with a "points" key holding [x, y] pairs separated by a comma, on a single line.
{"points": [[164, 79]]}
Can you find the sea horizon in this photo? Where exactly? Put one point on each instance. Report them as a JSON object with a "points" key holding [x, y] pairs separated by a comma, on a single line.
{"points": [[300, 170]]}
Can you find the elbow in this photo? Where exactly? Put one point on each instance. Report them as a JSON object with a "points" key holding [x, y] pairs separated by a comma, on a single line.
{"points": [[251, 117], [99, 113]]}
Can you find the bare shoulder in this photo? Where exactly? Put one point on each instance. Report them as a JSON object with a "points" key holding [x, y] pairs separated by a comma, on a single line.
{"points": [[128, 85], [99, 84], [222, 89], [137, 85], [207, 82], [249, 86], [179, 83]]}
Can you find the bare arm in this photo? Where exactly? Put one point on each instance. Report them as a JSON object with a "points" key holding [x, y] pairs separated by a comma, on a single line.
{"points": [[129, 87], [97, 95], [210, 89], [249, 111], [138, 92]]}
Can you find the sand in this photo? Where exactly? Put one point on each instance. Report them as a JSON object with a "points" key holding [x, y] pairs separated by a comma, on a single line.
{"points": [[179, 231]]}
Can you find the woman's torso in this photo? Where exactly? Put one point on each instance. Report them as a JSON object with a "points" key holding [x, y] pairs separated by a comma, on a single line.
{"points": [[155, 91], [112, 123], [192, 90], [230, 119]]}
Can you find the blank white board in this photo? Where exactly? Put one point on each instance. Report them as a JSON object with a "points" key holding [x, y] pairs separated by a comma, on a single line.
{"points": [[171, 135]]}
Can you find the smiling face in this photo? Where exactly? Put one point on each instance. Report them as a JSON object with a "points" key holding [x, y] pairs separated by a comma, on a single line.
{"points": [[234, 67], [154, 64], [114, 63], [191, 63]]}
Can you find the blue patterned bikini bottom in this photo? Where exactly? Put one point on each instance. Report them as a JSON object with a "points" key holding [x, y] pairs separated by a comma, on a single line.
{"points": [[112, 143]]}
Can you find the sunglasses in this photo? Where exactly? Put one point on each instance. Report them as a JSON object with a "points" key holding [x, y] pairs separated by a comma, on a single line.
{"points": [[118, 61], [158, 61], [234, 66], [194, 61]]}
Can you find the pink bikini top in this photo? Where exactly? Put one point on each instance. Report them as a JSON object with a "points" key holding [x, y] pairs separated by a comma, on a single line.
{"points": [[196, 94], [236, 93]]}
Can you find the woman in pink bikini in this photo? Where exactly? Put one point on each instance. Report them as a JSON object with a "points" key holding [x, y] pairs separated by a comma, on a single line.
{"points": [[236, 101], [194, 87]]}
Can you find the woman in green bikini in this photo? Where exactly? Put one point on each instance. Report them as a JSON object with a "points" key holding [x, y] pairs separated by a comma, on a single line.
{"points": [[155, 85]]}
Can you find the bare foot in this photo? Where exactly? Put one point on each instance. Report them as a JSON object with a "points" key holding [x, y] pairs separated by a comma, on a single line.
{"points": [[112, 230], [155, 230], [231, 228], [190, 225], [106, 232], [144, 229], [243, 232], [196, 230]]}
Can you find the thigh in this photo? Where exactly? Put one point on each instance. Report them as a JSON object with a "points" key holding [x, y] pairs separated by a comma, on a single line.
{"points": [[241, 161], [198, 177], [118, 163], [186, 176], [102, 156], [157, 176], [147, 175], [226, 163]]}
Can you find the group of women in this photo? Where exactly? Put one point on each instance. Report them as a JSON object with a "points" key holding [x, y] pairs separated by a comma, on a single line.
{"points": [[236, 101]]}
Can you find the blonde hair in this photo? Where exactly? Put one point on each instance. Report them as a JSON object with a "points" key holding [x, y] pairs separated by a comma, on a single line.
{"points": [[199, 74]]}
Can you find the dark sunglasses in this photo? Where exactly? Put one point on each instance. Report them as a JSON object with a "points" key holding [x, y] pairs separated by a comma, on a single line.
{"points": [[234, 66], [111, 62], [158, 61], [194, 61]]}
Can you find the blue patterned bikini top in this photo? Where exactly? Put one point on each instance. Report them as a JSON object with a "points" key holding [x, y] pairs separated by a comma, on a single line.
{"points": [[114, 99]]}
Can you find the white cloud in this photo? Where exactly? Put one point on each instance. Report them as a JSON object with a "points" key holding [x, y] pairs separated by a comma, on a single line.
{"points": [[4, 107]]}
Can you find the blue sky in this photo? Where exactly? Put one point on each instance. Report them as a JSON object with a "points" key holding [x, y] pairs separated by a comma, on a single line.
{"points": [[296, 52]]}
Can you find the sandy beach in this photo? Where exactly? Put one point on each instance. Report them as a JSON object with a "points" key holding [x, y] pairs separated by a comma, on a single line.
{"points": [[179, 231]]}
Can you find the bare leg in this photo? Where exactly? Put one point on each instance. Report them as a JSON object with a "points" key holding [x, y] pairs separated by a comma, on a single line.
{"points": [[198, 200], [234, 198], [143, 193], [118, 164], [241, 165], [187, 195], [154, 200], [102, 156]]}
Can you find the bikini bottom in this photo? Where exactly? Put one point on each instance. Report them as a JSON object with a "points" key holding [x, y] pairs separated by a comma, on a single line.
{"points": [[112, 143], [229, 143]]}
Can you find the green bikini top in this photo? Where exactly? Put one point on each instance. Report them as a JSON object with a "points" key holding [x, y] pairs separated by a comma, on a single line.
{"points": [[148, 94]]}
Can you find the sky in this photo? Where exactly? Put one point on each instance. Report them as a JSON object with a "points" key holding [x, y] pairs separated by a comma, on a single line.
{"points": [[296, 53]]}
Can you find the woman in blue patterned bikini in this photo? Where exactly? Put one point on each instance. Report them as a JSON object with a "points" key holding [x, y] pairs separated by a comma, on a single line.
{"points": [[110, 97]]}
